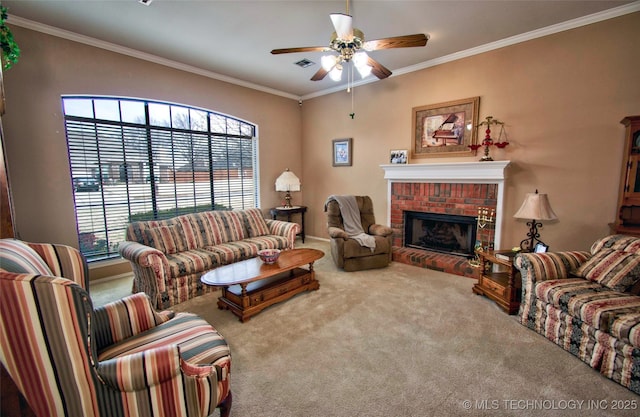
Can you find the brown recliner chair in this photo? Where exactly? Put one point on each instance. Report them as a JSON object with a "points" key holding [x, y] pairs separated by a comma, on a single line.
{"points": [[347, 253]]}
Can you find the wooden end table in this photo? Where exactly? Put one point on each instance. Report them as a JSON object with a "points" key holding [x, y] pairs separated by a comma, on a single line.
{"points": [[499, 279], [250, 286], [287, 212]]}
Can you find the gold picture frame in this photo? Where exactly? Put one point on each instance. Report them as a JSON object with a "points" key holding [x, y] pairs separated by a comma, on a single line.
{"points": [[445, 129]]}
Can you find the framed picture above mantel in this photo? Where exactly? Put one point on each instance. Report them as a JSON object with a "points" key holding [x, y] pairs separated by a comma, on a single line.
{"points": [[445, 129]]}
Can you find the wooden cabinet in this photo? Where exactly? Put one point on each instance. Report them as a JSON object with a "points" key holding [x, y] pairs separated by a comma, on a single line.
{"points": [[499, 279], [628, 209]]}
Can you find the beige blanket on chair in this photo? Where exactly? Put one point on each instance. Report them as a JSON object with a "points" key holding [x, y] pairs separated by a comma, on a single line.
{"points": [[351, 220]]}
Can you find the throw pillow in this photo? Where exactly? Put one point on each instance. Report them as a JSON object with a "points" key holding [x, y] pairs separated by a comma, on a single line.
{"points": [[189, 235], [167, 239], [612, 268], [229, 225], [255, 223], [619, 242]]}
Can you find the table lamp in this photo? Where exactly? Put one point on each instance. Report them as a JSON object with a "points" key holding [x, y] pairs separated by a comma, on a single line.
{"points": [[287, 182], [535, 207]]}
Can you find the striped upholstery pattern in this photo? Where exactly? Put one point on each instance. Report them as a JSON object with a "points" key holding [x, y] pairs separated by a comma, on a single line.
{"points": [[125, 318], [541, 267], [286, 229], [255, 223], [597, 306], [16, 256], [169, 272], [614, 359], [44, 258], [123, 359], [619, 242], [612, 268], [599, 325], [167, 239]]}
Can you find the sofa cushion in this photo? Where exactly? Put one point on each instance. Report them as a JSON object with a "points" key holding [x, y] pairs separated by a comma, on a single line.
{"points": [[221, 227], [192, 261], [353, 249], [190, 236], [18, 257], [612, 268], [235, 251], [255, 223], [607, 310], [167, 239], [624, 243], [199, 342]]}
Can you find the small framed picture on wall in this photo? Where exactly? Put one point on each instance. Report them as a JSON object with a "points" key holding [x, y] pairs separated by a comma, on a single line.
{"points": [[399, 156], [342, 152]]}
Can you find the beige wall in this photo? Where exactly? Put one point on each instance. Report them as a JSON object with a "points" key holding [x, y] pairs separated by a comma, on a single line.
{"points": [[562, 98], [34, 127]]}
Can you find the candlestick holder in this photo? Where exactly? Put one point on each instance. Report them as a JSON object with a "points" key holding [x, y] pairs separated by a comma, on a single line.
{"points": [[485, 230]]}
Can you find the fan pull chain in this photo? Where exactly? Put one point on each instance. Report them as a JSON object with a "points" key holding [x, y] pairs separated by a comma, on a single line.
{"points": [[351, 89]]}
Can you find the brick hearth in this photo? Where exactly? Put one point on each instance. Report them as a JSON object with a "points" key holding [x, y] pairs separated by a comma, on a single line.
{"points": [[456, 199], [449, 188]]}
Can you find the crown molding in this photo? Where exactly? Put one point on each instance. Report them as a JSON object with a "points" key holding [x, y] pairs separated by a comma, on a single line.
{"points": [[534, 34], [65, 34]]}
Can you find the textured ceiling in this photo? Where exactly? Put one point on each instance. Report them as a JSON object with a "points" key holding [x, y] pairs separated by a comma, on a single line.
{"points": [[232, 40]]}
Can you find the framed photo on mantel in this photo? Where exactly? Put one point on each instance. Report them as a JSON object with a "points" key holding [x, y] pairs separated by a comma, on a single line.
{"points": [[445, 129]]}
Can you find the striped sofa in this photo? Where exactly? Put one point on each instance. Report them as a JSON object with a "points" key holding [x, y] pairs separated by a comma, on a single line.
{"points": [[168, 257], [588, 303], [122, 359]]}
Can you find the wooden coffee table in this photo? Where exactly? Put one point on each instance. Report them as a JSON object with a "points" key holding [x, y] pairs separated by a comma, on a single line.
{"points": [[250, 286]]}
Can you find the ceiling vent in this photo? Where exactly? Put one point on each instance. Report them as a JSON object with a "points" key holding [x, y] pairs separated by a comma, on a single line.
{"points": [[304, 63]]}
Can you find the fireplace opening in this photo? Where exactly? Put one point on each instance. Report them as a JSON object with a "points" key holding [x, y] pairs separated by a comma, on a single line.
{"points": [[445, 233]]}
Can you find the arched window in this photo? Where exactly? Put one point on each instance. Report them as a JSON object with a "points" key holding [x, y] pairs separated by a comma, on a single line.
{"points": [[134, 159]]}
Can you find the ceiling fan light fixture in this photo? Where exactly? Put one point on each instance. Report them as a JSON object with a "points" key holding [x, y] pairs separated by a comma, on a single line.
{"points": [[328, 62], [347, 41], [336, 73], [343, 24], [364, 70], [360, 59]]}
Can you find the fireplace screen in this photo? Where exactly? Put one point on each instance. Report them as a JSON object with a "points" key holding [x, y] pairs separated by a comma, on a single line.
{"points": [[444, 233]]}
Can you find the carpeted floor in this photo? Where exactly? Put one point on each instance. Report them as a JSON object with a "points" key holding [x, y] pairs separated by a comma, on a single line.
{"points": [[399, 341]]}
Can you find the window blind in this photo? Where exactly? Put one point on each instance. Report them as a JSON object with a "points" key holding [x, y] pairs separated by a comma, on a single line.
{"points": [[136, 160]]}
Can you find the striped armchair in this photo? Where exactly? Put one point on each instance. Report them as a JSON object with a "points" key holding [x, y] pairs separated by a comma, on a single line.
{"points": [[122, 359]]}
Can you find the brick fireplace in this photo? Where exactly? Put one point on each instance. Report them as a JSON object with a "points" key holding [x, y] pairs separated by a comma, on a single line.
{"points": [[455, 189]]}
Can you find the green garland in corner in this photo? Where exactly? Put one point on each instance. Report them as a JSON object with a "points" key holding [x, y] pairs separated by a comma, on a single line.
{"points": [[10, 49]]}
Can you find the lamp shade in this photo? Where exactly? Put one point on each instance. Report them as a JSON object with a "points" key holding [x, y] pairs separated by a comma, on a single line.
{"points": [[287, 181], [536, 207]]}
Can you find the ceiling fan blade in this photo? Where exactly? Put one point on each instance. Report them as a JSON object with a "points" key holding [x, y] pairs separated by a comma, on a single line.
{"points": [[343, 24], [302, 49], [320, 74], [405, 41], [378, 69]]}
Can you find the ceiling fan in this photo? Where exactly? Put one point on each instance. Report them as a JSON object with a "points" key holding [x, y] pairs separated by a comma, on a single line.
{"points": [[350, 45]]}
